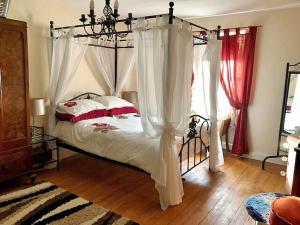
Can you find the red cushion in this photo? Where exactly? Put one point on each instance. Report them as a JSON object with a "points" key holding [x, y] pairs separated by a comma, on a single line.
{"points": [[285, 211], [85, 116], [123, 110]]}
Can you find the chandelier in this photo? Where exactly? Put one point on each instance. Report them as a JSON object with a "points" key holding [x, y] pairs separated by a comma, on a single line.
{"points": [[107, 22]]}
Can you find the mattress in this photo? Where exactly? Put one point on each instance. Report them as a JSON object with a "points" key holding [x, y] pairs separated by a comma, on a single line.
{"points": [[125, 142]]}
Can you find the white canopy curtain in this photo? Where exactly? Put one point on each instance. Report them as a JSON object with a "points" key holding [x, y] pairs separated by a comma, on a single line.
{"points": [[200, 88], [125, 65], [211, 76], [65, 56], [164, 59], [103, 59]]}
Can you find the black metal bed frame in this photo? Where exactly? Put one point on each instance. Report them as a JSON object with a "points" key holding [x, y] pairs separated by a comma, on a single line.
{"points": [[192, 137], [195, 156], [202, 151]]}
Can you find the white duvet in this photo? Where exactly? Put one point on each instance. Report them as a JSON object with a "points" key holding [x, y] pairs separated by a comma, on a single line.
{"points": [[127, 144]]}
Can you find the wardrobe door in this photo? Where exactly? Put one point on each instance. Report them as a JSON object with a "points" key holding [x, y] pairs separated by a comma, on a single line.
{"points": [[14, 107]]}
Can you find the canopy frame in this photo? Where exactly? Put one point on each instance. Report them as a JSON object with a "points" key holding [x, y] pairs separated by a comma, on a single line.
{"points": [[199, 39]]}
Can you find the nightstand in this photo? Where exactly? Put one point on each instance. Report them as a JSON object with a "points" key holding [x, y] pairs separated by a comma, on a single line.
{"points": [[43, 146]]}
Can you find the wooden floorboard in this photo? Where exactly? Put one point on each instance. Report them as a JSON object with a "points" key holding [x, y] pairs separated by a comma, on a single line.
{"points": [[210, 198]]}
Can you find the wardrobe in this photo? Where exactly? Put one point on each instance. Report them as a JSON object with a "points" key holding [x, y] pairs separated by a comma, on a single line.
{"points": [[15, 136]]}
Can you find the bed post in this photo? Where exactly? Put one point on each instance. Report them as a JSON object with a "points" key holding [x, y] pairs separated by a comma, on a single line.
{"points": [[171, 10], [116, 61], [219, 32], [51, 28]]}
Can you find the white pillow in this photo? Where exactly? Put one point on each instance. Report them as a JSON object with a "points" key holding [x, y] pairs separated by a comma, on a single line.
{"points": [[113, 102], [78, 107]]}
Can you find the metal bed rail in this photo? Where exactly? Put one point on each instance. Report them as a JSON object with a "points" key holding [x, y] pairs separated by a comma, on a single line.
{"points": [[194, 147]]}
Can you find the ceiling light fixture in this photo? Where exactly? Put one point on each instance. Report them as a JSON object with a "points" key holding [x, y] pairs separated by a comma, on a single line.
{"points": [[107, 22]]}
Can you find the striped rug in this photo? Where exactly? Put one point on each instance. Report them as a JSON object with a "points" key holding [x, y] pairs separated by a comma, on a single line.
{"points": [[46, 203]]}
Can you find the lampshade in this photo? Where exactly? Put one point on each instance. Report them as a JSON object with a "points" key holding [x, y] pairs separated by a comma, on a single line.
{"points": [[38, 107], [131, 96]]}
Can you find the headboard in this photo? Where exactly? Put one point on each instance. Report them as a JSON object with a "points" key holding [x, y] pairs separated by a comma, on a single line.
{"points": [[87, 95]]}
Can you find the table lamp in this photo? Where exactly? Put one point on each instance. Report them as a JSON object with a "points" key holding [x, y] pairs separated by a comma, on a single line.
{"points": [[131, 96], [37, 108]]}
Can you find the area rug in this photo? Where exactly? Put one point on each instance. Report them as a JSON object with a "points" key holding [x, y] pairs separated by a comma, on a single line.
{"points": [[46, 203]]}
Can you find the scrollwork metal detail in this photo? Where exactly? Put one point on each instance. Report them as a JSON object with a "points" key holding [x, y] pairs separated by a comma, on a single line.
{"points": [[192, 128], [196, 153]]}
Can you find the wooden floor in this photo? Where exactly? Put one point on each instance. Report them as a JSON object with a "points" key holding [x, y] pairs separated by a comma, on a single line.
{"points": [[210, 198]]}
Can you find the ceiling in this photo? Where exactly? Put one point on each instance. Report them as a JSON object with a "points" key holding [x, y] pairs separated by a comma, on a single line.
{"points": [[189, 8]]}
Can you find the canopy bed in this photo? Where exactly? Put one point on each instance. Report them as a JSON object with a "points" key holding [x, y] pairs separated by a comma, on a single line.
{"points": [[163, 53]]}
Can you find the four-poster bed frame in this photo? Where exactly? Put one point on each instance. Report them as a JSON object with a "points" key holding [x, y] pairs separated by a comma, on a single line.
{"points": [[194, 156], [194, 134]]}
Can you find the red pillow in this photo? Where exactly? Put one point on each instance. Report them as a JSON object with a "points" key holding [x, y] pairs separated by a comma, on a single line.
{"points": [[85, 116], [123, 110]]}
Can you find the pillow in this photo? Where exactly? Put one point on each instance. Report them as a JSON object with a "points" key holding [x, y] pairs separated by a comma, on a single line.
{"points": [[113, 102], [123, 110], [78, 110]]}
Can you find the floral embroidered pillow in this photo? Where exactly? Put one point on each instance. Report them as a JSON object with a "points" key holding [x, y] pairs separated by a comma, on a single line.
{"points": [[78, 110]]}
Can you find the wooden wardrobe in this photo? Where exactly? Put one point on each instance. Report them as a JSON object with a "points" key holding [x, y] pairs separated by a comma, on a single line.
{"points": [[15, 137]]}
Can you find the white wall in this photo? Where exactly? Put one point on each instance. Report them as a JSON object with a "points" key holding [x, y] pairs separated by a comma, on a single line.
{"points": [[277, 43], [37, 14]]}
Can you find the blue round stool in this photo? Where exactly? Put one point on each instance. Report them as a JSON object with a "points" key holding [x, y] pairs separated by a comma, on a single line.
{"points": [[258, 206]]}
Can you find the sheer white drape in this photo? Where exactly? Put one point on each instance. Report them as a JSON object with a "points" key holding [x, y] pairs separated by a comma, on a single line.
{"points": [[125, 65], [66, 55], [102, 60], [211, 69], [164, 59], [200, 88]]}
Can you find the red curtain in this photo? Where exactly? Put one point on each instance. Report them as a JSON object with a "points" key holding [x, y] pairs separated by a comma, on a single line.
{"points": [[236, 79]]}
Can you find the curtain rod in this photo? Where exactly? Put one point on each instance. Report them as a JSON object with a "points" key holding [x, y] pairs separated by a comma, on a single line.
{"points": [[91, 35], [135, 18], [232, 28], [192, 24], [121, 32], [204, 43], [200, 38], [117, 21], [126, 47], [100, 46]]}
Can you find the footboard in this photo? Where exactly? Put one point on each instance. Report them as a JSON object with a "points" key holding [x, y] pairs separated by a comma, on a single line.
{"points": [[195, 146]]}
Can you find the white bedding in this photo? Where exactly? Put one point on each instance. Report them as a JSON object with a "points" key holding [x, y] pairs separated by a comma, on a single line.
{"points": [[126, 144]]}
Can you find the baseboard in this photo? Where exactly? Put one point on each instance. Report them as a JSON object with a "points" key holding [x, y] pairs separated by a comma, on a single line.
{"points": [[261, 157], [257, 156]]}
